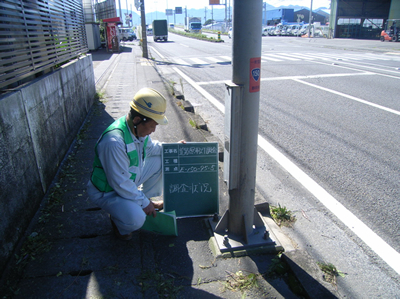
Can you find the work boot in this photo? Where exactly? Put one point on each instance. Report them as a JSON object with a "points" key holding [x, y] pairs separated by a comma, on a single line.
{"points": [[126, 237]]}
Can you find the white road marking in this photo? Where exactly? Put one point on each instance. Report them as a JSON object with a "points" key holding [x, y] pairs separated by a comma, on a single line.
{"points": [[213, 59], [198, 61], [280, 57], [179, 61], [295, 77], [297, 56], [209, 97], [269, 58], [226, 58], [350, 97], [376, 243]]}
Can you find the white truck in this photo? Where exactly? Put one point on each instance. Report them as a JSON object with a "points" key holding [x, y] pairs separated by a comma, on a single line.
{"points": [[193, 24]]}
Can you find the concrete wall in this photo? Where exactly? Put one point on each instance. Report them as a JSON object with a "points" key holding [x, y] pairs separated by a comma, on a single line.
{"points": [[38, 122]]}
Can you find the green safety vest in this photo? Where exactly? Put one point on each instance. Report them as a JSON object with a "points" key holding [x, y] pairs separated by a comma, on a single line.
{"points": [[98, 177]]}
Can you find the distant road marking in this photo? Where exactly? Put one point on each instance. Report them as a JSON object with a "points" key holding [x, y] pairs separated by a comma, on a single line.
{"points": [[198, 61], [184, 45], [266, 57], [369, 237], [213, 59], [179, 61]]}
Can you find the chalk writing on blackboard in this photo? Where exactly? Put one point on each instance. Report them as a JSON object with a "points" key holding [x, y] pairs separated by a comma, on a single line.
{"points": [[190, 188], [190, 178], [190, 168], [194, 150]]}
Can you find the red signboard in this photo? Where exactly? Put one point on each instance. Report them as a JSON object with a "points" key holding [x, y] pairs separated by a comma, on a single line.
{"points": [[214, 2], [255, 74]]}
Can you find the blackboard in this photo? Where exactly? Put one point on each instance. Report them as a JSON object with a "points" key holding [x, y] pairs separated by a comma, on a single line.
{"points": [[190, 174]]}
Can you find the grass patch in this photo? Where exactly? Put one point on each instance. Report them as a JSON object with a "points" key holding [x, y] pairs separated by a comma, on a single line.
{"points": [[197, 36], [164, 284], [241, 282], [330, 272], [282, 215], [279, 269], [192, 123], [34, 246]]}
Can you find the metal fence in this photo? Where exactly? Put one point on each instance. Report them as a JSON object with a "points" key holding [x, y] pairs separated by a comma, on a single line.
{"points": [[38, 35]]}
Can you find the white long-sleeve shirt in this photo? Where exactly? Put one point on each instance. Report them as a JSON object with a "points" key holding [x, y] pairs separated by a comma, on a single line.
{"points": [[112, 154]]}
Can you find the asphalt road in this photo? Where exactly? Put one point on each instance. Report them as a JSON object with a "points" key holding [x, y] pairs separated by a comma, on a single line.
{"points": [[329, 110]]}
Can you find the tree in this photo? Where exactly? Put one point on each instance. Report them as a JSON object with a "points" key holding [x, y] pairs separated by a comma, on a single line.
{"points": [[209, 21]]}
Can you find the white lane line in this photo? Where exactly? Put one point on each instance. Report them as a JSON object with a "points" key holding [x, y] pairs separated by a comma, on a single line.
{"points": [[280, 57], [209, 97], [198, 61], [350, 97], [376, 243], [270, 58], [179, 61], [184, 45], [295, 77], [296, 56], [213, 59]]}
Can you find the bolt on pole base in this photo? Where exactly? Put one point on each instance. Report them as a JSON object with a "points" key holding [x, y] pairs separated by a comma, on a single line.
{"points": [[261, 239]]}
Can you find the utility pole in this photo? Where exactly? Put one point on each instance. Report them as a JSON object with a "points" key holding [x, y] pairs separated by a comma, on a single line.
{"points": [[205, 14], [120, 11], [241, 226], [309, 21], [144, 31]]}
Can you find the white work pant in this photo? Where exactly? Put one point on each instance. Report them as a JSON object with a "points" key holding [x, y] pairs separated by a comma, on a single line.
{"points": [[127, 215]]}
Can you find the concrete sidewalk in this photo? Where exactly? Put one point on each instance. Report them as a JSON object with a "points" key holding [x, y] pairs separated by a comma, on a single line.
{"points": [[75, 253]]}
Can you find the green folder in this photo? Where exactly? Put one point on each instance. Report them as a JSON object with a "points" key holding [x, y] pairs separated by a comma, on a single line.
{"points": [[164, 223]]}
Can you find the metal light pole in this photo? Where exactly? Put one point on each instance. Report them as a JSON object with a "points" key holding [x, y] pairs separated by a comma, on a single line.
{"points": [[309, 21], [246, 56], [241, 226]]}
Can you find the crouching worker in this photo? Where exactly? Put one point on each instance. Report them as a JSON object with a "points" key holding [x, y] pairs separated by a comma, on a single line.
{"points": [[127, 166]]}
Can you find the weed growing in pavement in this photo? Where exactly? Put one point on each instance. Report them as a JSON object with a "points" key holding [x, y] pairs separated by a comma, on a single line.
{"points": [[164, 284], [241, 282], [280, 269], [33, 247], [330, 272], [192, 123], [282, 215]]}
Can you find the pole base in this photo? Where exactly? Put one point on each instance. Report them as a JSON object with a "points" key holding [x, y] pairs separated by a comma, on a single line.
{"points": [[261, 239]]}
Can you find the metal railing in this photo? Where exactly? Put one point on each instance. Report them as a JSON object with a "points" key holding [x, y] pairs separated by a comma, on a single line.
{"points": [[38, 35]]}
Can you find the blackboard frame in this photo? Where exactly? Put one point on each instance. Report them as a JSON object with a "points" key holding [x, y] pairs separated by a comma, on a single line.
{"points": [[191, 178]]}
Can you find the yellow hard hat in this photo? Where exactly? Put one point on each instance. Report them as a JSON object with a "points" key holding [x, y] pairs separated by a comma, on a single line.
{"points": [[149, 102]]}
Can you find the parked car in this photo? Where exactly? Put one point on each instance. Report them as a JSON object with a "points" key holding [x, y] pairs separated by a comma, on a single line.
{"points": [[304, 29], [265, 31], [284, 30], [278, 30], [230, 32], [271, 30], [127, 34]]}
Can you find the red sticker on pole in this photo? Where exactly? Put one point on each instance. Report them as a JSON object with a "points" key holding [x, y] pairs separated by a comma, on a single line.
{"points": [[255, 69]]}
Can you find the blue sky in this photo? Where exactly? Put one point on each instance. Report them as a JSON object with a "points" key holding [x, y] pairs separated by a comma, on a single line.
{"points": [[161, 5]]}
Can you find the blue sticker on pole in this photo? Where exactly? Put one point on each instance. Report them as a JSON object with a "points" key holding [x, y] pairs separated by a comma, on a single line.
{"points": [[255, 72]]}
